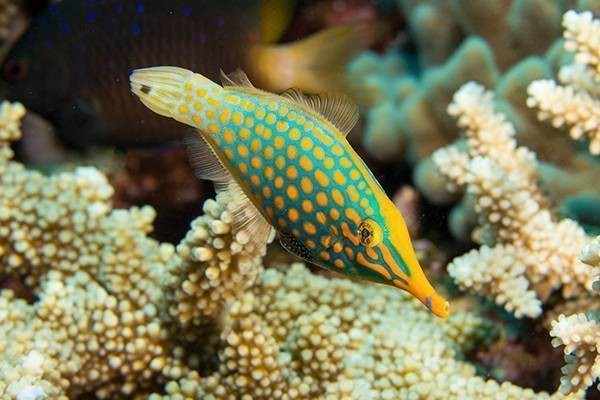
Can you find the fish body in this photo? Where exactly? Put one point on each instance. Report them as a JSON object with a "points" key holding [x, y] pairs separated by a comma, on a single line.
{"points": [[294, 166], [72, 65]]}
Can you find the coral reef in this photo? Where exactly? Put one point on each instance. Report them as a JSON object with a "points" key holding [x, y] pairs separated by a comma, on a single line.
{"points": [[100, 282], [94, 273], [526, 252], [576, 104], [117, 314], [457, 41], [295, 335], [497, 45], [93, 305]]}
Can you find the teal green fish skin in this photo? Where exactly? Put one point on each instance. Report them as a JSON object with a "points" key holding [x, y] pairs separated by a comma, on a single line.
{"points": [[302, 178]]}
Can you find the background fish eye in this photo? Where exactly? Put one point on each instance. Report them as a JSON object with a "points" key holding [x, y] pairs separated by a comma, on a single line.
{"points": [[15, 69]]}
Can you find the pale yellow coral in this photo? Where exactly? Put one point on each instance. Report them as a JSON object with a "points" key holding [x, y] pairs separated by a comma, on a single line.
{"points": [[591, 253], [505, 282], [582, 36], [300, 336], [96, 323], [575, 105], [214, 266], [111, 302], [537, 253], [10, 123]]}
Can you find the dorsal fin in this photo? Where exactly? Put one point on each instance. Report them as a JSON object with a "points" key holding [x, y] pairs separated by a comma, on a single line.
{"points": [[247, 219], [235, 78], [337, 108]]}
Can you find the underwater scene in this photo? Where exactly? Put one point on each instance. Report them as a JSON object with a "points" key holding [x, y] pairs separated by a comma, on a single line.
{"points": [[300, 199]]}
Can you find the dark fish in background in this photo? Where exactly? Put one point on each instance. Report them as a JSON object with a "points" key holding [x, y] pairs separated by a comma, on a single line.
{"points": [[72, 65]]}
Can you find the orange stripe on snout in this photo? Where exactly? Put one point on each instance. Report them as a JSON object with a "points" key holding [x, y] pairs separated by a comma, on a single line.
{"points": [[389, 260], [372, 253], [377, 268]]}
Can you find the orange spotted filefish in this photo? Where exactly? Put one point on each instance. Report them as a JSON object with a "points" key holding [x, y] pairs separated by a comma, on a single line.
{"points": [[72, 65], [285, 165]]}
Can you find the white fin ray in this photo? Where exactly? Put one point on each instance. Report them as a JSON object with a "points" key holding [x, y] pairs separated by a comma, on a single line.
{"points": [[247, 219], [235, 78], [337, 108], [203, 160]]}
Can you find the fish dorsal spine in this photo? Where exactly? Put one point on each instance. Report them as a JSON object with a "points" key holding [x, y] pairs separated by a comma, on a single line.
{"points": [[337, 108]]}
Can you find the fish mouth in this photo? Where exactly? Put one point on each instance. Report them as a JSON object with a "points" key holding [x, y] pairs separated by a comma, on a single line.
{"points": [[435, 303]]}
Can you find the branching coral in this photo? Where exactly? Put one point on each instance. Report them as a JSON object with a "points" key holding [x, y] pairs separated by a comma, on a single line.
{"points": [[95, 274], [580, 334], [457, 41], [212, 268], [296, 335], [107, 295], [527, 253], [576, 104]]}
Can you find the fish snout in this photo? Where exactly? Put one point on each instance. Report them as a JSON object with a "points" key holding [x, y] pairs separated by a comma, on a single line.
{"points": [[427, 295], [159, 88]]}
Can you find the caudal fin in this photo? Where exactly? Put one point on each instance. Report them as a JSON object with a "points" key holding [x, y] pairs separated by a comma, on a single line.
{"points": [[315, 64]]}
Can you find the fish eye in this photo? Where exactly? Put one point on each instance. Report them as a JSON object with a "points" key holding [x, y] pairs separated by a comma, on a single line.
{"points": [[369, 233], [15, 69]]}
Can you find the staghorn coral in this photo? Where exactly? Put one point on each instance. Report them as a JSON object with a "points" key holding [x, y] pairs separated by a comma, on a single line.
{"points": [[103, 317], [527, 252], [580, 334], [295, 335], [577, 104]]}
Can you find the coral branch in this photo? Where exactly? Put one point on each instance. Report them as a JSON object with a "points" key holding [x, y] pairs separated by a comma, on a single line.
{"points": [[212, 269], [513, 214], [580, 335], [575, 105]]}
